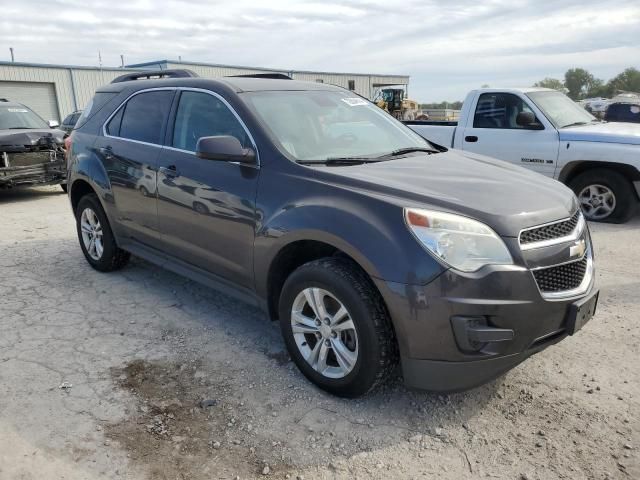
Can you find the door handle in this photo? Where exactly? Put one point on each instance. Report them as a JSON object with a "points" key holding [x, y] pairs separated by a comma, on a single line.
{"points": [[106, 152], [171, 171], [471, 138]]}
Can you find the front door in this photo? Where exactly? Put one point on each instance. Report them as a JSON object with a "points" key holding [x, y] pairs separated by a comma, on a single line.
{"points": [[493, 131], [206, 208]]}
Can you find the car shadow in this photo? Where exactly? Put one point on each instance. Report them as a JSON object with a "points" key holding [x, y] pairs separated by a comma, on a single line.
{"points": [[26, 194]]}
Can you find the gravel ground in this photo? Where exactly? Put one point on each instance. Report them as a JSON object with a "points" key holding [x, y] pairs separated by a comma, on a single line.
{"points": [[103, 376]]}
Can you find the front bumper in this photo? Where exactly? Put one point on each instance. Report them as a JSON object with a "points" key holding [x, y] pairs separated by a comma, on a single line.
{"points": [[50, 173], [502, 297]]}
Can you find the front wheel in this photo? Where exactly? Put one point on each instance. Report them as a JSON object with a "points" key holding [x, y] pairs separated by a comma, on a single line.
{"points": [[336, 327], [96, 238], [605, 195]]}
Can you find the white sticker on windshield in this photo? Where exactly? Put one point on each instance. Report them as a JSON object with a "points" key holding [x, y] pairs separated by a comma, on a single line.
{"points": [[18, 110], [354, 101], [635, 109]]}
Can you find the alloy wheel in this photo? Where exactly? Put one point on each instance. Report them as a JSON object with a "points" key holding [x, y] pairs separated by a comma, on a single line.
{"points": [[597, 201], [91, 234], [324, 332]]}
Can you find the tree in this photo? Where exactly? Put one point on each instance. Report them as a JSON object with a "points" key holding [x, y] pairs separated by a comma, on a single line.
{"points": [[579, 82], [553, 83], [628, 81]]}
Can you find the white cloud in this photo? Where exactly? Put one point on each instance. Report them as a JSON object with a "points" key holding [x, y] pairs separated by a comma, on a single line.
{"points": [[447, 47]]}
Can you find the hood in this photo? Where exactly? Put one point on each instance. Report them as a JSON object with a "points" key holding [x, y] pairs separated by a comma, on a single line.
{"points": [[30, 138], [607, 132], [505, 197]]}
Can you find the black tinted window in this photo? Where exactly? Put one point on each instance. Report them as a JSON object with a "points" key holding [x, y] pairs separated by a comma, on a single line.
{"points": [[113, 127], [98, 101], [203, 115], [68, 120], [498, 110], [145, 115], [623, 112]]}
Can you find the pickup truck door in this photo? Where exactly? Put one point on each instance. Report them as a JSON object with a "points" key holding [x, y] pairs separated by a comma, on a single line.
{"points": [[491, 130]]}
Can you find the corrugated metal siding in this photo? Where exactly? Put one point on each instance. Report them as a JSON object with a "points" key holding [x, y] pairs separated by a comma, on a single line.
{"points": [[87, 81], [217, 72], [74, 86]]}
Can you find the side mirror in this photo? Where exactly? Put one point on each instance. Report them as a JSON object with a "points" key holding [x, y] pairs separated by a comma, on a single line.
{"points": [[54, 124], [528, 120], [224, 148]]}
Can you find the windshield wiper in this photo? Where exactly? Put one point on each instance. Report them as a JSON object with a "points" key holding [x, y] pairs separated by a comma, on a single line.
{"points": [[340, 161], [402, 151]]}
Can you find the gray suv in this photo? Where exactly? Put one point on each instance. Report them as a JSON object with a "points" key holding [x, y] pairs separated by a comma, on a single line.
{"points": [[370, 245]]}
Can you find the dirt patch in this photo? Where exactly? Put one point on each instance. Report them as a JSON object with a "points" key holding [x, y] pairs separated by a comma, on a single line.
{"points": [[187, 424]]}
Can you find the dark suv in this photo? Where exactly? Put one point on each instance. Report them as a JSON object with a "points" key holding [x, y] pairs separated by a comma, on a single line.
{"points": [[623, 112], [367, 242]]}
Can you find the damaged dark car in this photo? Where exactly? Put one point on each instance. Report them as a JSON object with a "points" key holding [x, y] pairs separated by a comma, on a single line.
{"points": [[31, 150]]}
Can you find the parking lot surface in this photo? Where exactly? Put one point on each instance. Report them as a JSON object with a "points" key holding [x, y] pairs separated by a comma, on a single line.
{"points": [[142, 374]]}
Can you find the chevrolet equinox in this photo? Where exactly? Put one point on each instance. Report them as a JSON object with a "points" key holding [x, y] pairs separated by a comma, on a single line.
{"points": [[369, 244]]}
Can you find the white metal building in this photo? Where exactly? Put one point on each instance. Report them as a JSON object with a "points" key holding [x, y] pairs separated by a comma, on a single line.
{"points": [[54, 91]]}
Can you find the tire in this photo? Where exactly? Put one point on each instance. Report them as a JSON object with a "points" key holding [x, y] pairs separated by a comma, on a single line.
{"points": [[373, 346], [109, 257], [63, 186], [621, 201]]}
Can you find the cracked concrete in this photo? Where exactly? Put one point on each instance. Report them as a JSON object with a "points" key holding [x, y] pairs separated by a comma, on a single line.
{"points": [[142, 346]]}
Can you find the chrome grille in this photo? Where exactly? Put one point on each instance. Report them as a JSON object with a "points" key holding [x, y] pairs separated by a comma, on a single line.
{"points": [[561, 278], [550, 231]]}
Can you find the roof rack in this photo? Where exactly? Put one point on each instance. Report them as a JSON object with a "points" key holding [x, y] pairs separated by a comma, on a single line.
{"points": [[272, 76], [155, 74]]}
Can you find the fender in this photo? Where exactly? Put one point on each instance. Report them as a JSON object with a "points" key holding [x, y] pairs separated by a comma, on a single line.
{"points": [[360, 229]]}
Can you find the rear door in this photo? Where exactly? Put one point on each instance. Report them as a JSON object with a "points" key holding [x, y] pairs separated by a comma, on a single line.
{"points": [[129, 150], [206, 208], [492, 130]]}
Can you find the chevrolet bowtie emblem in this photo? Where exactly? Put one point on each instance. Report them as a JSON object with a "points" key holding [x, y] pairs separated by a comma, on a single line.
{"points": [[577, 249]]}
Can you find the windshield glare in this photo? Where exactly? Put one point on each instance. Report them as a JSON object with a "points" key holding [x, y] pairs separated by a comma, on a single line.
{"points": [[560, 109], [14, 117], [318, 125]]}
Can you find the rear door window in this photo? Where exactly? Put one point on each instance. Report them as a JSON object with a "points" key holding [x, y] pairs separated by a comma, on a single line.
{"points": [[202, 115], [144, 117]]}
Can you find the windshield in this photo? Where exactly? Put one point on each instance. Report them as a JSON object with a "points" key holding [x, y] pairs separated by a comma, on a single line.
{"points": [[321, 125], [560, 109], [17, 116]]}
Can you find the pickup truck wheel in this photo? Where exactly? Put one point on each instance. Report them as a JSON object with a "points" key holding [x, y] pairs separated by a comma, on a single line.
{"points": [[605, 196], [336, 327], [96, 238]]}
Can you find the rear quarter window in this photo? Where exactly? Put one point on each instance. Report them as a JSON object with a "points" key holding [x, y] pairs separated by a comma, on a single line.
{"points": [[98, 101]]}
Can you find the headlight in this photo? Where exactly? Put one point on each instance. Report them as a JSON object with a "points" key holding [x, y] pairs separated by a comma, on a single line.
{"points": [[460, 242]]}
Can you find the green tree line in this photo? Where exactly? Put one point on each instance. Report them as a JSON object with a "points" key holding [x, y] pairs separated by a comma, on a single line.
{"points": [[580, 83]]}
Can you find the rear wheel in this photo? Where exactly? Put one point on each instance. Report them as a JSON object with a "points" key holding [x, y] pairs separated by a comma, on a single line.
{"points": [[96, 238], [336, 327], [605, 195]]}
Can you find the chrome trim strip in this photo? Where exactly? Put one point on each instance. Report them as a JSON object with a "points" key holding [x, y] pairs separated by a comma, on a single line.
{"points": [[190, 89], [574, 235], [580, 289]]}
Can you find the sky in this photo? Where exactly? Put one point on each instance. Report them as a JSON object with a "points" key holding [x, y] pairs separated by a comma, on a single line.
{"points": [[447, 47]]}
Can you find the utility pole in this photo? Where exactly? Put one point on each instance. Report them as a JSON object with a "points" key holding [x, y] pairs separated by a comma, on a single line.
{"points": [[100, 59], [122, 61], [12, 58]]}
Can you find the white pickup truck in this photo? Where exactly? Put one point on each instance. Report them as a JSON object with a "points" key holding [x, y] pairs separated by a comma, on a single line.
{"points": [[547, 132]]}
